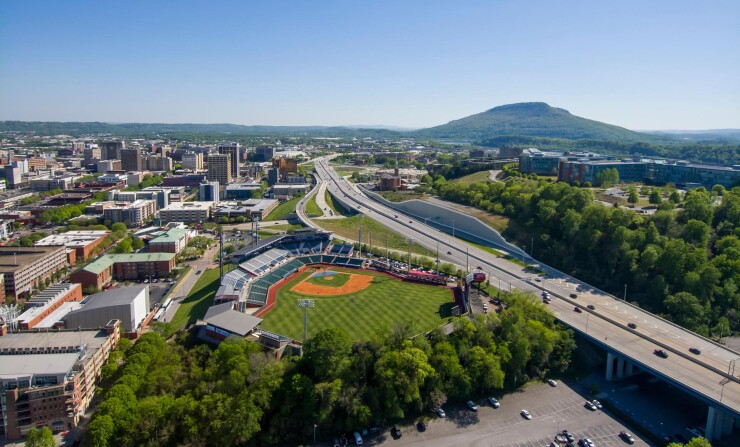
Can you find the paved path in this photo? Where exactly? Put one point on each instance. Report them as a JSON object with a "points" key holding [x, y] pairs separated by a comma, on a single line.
{"points": [[493, 174], [191, 277], [321, 201]]}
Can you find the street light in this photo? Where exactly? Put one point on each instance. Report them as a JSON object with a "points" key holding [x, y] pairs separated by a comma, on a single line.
{"points": [[409, 240]]}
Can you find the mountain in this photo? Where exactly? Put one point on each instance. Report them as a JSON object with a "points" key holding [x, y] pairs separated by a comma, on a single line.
{"points": [[533, 119]]}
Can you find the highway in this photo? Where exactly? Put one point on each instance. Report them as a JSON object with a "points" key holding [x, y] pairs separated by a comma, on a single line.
{"points": [[711, 376]]}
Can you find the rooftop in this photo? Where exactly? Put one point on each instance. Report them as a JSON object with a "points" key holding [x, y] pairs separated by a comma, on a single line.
{"points": [[182, 206], [169, 236], [72, 238], [15, 366], [13, 258], [244, 186], [224, 317], [106, 261]]}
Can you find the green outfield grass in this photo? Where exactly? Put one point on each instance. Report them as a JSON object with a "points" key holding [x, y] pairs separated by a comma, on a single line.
{"points": [[362, 314], [337, 280]]}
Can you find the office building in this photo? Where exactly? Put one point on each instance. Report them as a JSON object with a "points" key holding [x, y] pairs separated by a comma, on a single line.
{"points": [[92, 154], [109, 165], [129, 305], [686, 174], [133, 214], [160, 196], [81, 243], [288, 191], [187, 180], [111, 150], [41, 310], [192, 161], [219, 168], [232, 150], [124, 267], [208, 192], [26, 267], [186, 212], [241, 191], [50, 379], [252, 209], [131, 159], [13, 175], [157, 163], [264, 153]]}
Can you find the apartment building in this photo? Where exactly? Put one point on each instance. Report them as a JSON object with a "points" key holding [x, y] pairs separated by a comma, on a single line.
{"points": [[219, 168], [124, 267], [131, 159], [47, 302], [192, 161], [82, 243], [25, 267], [50, 379], [133, 214], [232, 150]]}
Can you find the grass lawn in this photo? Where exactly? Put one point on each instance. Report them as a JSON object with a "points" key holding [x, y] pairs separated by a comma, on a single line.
{"points": [[337, 280], [396, 196], [362, 314], [348, 228], [476, 177], [313, 208], [200, 298], [330, 202], [283, 209]]}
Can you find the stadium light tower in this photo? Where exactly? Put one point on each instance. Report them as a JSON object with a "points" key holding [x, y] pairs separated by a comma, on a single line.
{"points": [[409, 241], [305, 304]]}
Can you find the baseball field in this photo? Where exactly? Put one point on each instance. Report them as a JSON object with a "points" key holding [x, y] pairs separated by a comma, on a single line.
{"points": [[359, 302]]}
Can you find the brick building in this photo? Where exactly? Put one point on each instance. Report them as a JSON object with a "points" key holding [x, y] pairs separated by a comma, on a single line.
{"points": [[82, 243], [46, 302], [50, 379], [25, 267], [124, 267]]}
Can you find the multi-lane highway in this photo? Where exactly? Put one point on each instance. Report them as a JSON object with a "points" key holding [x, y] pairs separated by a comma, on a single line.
{"points": [[711, 376]]}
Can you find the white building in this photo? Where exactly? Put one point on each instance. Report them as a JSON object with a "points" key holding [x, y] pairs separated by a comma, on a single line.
{"points": [[187, 212]]}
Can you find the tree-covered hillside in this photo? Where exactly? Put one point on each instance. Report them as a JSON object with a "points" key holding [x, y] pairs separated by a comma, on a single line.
{"points": [[535, 119]]}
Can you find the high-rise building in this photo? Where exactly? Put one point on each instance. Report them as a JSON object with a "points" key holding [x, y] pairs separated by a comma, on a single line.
{"points": [[92, 154], [219, 168], [264, 153], [192, 161], [111, 150], [232, 149], [208, 192], [131, 159]]}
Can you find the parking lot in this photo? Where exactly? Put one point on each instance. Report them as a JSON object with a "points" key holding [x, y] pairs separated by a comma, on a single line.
{"points": [[553, 409]]}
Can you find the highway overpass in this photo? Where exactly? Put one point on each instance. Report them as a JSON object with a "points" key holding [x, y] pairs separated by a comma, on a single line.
{"points": [[710, 376]]}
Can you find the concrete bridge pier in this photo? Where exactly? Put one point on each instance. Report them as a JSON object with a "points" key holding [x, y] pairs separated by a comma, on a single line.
{"points": [[609, 366], [719, 424]]}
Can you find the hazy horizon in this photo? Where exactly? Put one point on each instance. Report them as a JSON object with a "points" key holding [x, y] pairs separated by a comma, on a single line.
{"points": [[661, 65]]}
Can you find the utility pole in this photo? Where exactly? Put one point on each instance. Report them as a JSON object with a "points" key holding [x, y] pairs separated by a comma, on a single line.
{"points": [[467, 259], [438, 262], [625, 293]]}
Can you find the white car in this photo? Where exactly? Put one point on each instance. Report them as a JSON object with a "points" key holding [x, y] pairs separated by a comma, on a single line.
{"points": [[441, 412], [525, 414], [472, 405], [494, 402], [552, 382]]}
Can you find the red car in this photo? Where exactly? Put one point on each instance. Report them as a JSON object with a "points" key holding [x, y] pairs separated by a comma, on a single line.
{"points": [[577, 309]]}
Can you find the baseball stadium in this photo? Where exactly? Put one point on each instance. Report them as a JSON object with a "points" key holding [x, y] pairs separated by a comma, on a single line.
{"points": [[347, 292]]}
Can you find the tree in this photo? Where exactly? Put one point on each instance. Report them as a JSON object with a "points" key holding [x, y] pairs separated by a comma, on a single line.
{"points": [[119, 226], [608, 177], [655, 197], [136, 243], [40, 438], [124, 246], [633, 196]]}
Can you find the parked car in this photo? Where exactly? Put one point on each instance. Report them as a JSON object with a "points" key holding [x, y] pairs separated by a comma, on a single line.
{"points": [[552, 382], [632, 325], [661, 353], [395, 432], [525, 414], [440, 412], [472, 405], [494, 402], [626, 437], [568, 436], [696, 351], [421, 426], [573, 295], [590, 405], [597, 403]]}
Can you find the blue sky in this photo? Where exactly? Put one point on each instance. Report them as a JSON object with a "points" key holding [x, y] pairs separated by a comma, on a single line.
{"points": [[639, 64]]}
